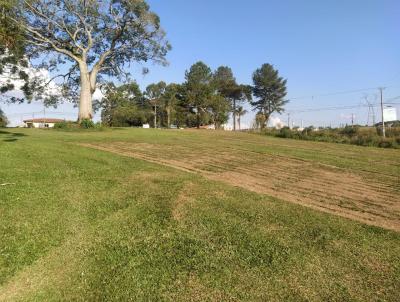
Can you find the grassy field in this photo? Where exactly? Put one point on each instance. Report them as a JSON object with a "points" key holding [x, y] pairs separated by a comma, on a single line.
{"points": [[156, 215]]}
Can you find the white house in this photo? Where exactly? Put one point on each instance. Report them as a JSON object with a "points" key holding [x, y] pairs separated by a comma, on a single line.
{"points": [[42, 122]]}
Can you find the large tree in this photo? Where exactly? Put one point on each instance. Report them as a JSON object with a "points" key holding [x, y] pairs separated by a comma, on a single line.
{"points": [[270, 91], [89, 39], [198, 90], [226, 85]]}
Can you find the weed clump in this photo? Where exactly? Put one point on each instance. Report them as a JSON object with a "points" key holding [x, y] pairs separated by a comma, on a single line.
{"points": [[355, 135]]}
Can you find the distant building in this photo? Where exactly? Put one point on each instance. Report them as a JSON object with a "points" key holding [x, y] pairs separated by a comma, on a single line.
{"points": [[227, 127], [42, 122]]}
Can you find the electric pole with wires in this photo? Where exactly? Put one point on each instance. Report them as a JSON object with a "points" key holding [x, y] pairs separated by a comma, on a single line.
{"points": [[383, 117]]}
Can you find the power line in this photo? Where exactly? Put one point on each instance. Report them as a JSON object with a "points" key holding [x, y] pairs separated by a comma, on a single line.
{"points": [[337, 93], [338, 107], [326, 108]]}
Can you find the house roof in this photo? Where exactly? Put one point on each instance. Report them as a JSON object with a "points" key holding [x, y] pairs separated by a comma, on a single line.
{"points": [[44, 120]]}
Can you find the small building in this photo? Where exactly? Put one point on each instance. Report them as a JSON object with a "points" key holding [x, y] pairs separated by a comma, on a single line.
{"points": [[42, 122]]}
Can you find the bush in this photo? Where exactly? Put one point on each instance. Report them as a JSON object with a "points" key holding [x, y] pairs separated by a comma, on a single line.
{"points": [[387, 143], [357, 135], [350, 130], [285, 132], [61, 125], [87, 124], [66, 125]]}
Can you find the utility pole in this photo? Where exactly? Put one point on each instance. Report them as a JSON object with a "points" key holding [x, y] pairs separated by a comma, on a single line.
{"points": [[383, 118], [288, 120], [352, 120]]}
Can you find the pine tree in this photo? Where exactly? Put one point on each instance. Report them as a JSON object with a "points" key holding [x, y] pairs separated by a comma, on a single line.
{"points": [[269, 90]]}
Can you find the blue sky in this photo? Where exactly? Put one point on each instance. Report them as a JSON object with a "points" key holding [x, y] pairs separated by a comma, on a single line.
{"points": [[319, 46]]}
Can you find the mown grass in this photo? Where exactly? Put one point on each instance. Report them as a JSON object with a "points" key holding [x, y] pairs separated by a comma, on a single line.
{"points": [[82, 224]]}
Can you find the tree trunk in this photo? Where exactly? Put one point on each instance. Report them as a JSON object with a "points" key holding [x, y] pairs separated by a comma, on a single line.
{"points": [[155, 115], [168, 117], [234, 115], [198, 118], [85, 101], [267, 116], [239, 121]]}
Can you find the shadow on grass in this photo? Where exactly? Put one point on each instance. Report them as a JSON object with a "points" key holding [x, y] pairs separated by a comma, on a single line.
{"points": [[10, 137]]}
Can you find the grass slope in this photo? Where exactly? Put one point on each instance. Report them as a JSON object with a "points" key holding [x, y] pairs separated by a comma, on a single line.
{"points": [[84, 224]]}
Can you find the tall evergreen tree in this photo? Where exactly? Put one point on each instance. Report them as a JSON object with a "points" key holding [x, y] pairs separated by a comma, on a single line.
{"points": [[198, 90], [226, 85], [270, 90]]}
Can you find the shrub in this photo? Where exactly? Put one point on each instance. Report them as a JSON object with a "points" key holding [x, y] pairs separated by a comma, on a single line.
{"points": [[87, 124], [66, 125], [61, 125], [285, 132], [362, 136], [387, 143], [350, 130]]}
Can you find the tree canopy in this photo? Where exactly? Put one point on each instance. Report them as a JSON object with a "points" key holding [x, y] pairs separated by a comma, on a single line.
{"points": [[123, 106], [227, 87], [170, 102], [198, 90], [89, 39], [200, 101], [12, 48], [269, 90]]}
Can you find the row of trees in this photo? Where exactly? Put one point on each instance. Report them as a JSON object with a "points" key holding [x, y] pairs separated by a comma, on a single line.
{"points": [[204, 98]]}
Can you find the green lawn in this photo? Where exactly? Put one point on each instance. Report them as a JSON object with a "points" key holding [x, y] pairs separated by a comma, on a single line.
{"points": [[77, 223]]}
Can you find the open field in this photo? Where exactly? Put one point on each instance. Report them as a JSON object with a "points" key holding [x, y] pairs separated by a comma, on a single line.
{"points": [[133, 214]]}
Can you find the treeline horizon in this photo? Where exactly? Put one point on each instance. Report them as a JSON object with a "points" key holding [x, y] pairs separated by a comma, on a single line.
{"points": [[205, 98]]}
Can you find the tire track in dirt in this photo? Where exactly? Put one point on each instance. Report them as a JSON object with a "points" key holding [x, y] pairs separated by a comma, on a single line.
{"points": [[318, 186]]}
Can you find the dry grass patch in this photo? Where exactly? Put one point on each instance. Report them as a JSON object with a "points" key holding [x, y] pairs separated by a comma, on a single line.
{"points": [[327, 188]]}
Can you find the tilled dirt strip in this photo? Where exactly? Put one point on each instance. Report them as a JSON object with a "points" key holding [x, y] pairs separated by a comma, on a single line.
{"points": [[322, 187]]}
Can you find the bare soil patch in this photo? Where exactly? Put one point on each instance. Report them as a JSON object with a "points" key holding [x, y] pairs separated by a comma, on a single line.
{"points": [[355, 195]]}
